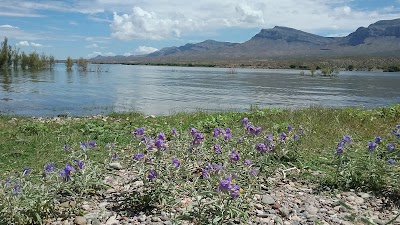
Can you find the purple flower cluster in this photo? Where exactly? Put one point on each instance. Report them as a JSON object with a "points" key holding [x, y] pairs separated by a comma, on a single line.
{"points": [[66, 172], [176, 162], [227, 185], [80, 164], [234, 156], [197, 136], [254, 130], [138, 132], [264, 148], [85, 145], [226, 133], [152, 175], [346, 140], [138, 156], [49, 168], [396, 131], [217, 148]]}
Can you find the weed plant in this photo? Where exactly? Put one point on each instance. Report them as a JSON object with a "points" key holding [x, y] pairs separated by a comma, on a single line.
{"points": [[209, 165]]}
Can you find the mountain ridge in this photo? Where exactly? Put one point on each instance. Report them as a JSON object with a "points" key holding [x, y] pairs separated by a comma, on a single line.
{"points": [[380, 38]]}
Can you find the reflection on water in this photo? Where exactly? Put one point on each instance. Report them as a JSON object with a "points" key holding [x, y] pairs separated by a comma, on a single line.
{"points": [[165, 90]]}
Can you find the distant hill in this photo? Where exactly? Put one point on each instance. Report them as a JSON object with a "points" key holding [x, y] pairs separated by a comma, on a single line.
{"points": [[379, 39]]}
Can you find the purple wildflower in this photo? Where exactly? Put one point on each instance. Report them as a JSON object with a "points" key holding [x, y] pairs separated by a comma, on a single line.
{"points": [[247, 162], [193, 131], [225, 184], [26, 170], [17, 188], [245, 121], [391, 161], [138, 156], [217, 167], [340, 149], [150, 145], [114, 156], [235, 191], [92, 144], [216, 132], [49, 168], [270, 138], [371, 146], [80, 164], [390, 146], [234, 156], [205, 173], [176, 162], [138, 132], [174, 131], [289, 127], [283, 136], [346, 139], [240, 140], [378, 139], [296, 137], [261, 147], [83, 145], [67, 147], [227, 134], [161, 136], [217, 148], [253, 130], [253, 172], [160, 144], [67, 171], [197, 138], [152, 175], [8, 182]]}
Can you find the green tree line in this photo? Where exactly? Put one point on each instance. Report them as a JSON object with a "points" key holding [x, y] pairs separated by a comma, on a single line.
{"points": [[11, 58]]}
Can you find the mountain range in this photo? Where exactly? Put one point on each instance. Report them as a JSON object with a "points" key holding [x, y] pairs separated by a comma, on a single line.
{"points": [[378, 39]]}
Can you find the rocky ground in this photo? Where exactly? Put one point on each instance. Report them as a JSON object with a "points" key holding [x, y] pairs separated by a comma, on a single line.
{"points": [[282, 201]]}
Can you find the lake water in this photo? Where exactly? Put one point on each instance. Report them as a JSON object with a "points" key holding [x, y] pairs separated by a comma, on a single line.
{"points": [[167, 90]]}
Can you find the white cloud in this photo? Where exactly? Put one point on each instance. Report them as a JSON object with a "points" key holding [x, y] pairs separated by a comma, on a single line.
{"points": [[36, 45], [170, 21], [127, 54], [96, 53], [92, 46], [143, 50], [32, 44], [22, 43], [73, 23], [142, 24], [8, 26]]}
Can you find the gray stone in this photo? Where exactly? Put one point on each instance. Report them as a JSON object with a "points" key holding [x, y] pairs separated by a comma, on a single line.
{"points": [[284, 212], [258, 206], [268, 199], [96, 222], [115, 165], [80, 220], [311, 210], [278, 220], [142, 218], [91, 216], [350, 198], [359, 200], [112, 221], [156, 219]]}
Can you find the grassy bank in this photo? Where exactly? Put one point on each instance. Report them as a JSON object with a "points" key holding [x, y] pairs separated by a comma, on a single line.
{"points": [[337, 148]]}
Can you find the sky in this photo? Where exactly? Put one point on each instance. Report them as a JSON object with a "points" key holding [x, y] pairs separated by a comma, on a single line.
{"points": [[87, 28]]}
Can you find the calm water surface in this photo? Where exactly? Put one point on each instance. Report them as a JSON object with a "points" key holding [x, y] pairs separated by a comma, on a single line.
{"points": [[167, 90]]}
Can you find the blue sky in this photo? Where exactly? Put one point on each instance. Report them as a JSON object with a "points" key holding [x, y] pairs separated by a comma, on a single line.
{"points": [[86, 28]]}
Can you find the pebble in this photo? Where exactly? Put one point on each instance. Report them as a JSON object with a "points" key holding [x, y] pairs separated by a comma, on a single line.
{"points": [[80, 220], [112, 221], [115, 165], [267, 199]]}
